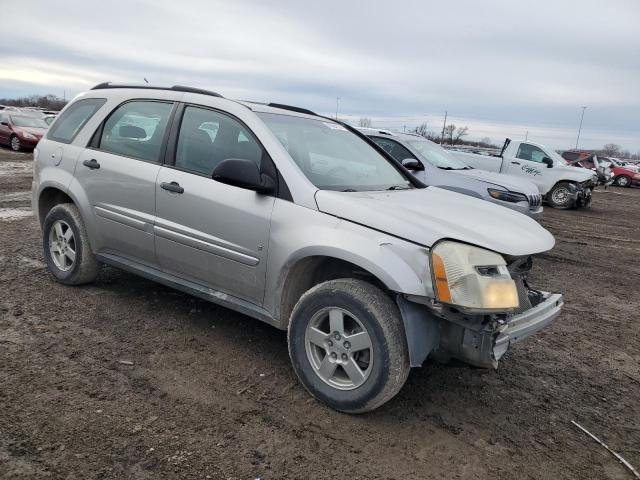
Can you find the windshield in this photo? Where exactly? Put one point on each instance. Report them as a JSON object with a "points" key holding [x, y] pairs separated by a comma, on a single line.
{"points": [[555, 156], [436, 155], [28, 122], [332, 157]]}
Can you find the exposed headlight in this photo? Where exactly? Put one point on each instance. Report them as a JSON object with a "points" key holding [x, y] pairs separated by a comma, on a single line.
{"points": [[507, 196], [29, 136], [472, 278]]}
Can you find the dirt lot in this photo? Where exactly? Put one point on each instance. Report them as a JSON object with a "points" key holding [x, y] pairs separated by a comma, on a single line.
{"points": [[209, 393]]}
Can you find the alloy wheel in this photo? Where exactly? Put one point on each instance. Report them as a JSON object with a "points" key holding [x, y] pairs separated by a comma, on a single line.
{"points": [[62, 245], [15, 143], [339, 348]]}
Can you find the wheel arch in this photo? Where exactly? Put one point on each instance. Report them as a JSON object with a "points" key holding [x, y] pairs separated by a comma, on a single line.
{"points": [[309, 271], [48, 198]]}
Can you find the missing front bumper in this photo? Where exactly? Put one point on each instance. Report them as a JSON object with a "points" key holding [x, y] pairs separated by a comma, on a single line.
{"points": [[484, 348]]}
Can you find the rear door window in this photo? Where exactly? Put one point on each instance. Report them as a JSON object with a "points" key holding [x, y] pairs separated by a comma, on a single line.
{"points": [[136, 129], [73, 119]]}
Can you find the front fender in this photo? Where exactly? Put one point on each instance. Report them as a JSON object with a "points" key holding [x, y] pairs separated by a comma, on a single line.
{"points": [[400, 265]]}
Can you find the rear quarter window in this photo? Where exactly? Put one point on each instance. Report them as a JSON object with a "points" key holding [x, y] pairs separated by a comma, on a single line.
{"points": [[71, 121]]}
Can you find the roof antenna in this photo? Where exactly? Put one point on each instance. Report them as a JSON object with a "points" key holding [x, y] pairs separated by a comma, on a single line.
{"points": [[145, 80]]}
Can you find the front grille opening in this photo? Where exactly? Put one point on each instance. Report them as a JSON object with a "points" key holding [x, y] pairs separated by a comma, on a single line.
{"points": [[519, 269]]}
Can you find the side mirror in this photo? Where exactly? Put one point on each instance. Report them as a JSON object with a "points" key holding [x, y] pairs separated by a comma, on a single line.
{"points": [[131, 131], [6, 124], [243, 173], [411, 164], [548, 161]]}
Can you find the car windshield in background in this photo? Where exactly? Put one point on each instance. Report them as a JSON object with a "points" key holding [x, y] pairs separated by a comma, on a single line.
{"points": [[32, 122], [437, 156], [557, 159], [332, 157]]}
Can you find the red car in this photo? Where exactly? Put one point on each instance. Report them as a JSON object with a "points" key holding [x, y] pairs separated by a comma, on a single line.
{"points": [[21, 131], [622, 175]]}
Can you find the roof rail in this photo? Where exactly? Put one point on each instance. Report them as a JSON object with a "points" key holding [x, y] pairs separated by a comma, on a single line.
{"points": [[175, 88], [292, 108]]}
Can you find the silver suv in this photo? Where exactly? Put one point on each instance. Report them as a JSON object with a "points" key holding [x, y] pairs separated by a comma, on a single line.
{"points": [[294, 219]]}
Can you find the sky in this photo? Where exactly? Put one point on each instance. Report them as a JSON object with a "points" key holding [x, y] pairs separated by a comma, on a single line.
{"points": [[503, 68]]}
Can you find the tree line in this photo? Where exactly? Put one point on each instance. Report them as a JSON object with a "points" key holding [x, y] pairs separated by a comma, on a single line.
{"points": [[451, 135], [48, 102], [454, 135]]}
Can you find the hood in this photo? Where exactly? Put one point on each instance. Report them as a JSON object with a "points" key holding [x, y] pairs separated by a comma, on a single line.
{"points": [[577, 172], [426, 215], [38, 132], [510, 182]]}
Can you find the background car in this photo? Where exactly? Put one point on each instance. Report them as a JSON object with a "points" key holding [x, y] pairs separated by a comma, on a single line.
{"points": [[21, 132], [434, 166]]}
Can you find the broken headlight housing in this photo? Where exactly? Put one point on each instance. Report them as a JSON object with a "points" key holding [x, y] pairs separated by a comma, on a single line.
{"points": [[472, 278]]}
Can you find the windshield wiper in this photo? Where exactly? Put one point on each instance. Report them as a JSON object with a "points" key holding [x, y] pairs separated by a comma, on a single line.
{"points": [[348, 190], [397, 187]]}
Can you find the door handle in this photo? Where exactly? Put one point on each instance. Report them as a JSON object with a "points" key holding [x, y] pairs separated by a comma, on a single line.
{"points": [[515, 163], [172, 187], [92, 164]]}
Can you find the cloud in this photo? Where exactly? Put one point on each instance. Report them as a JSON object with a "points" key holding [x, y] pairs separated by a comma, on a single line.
{"points": [[491, 63]]}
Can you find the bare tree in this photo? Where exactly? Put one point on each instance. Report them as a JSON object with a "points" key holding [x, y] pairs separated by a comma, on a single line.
{"points": [[448, 133], [421, 130], [459, 133], [610, 150], [364, 122]]}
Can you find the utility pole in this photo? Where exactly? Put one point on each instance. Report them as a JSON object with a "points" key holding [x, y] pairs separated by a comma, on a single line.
{"points": [[337, 103], [443, 127], [580, 127], [526, 136]]}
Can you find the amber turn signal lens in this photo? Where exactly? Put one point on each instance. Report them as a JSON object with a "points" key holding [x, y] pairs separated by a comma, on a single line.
{"points": [[440, 275]]}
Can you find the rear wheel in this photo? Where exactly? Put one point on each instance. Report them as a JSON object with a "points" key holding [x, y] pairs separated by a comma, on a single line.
{"points": [[622, 181], [66, 246], [16, 146], [347, 345], [560, 196]]}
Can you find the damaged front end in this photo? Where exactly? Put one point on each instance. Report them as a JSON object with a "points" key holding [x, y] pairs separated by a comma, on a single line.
{"points": [[581, 193], [445, 332]]}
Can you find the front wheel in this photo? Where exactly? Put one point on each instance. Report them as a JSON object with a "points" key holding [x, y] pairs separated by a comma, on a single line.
{"points": [[15, 143], [622, 181], [347, 345], [560, 196]]}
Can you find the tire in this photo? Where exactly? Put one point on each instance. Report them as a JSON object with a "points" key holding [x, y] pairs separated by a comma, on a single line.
{"points": [[71, 260], [368, 315], [14, 143], [622, 181], [559, 196]]}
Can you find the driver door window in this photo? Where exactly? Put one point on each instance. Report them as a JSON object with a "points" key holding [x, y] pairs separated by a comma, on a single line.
{"points": [[208, 137], [530, 153], [397, 151]]}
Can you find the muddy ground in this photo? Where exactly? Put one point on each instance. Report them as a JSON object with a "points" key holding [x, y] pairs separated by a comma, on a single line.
{"points": [[129, 379]]}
